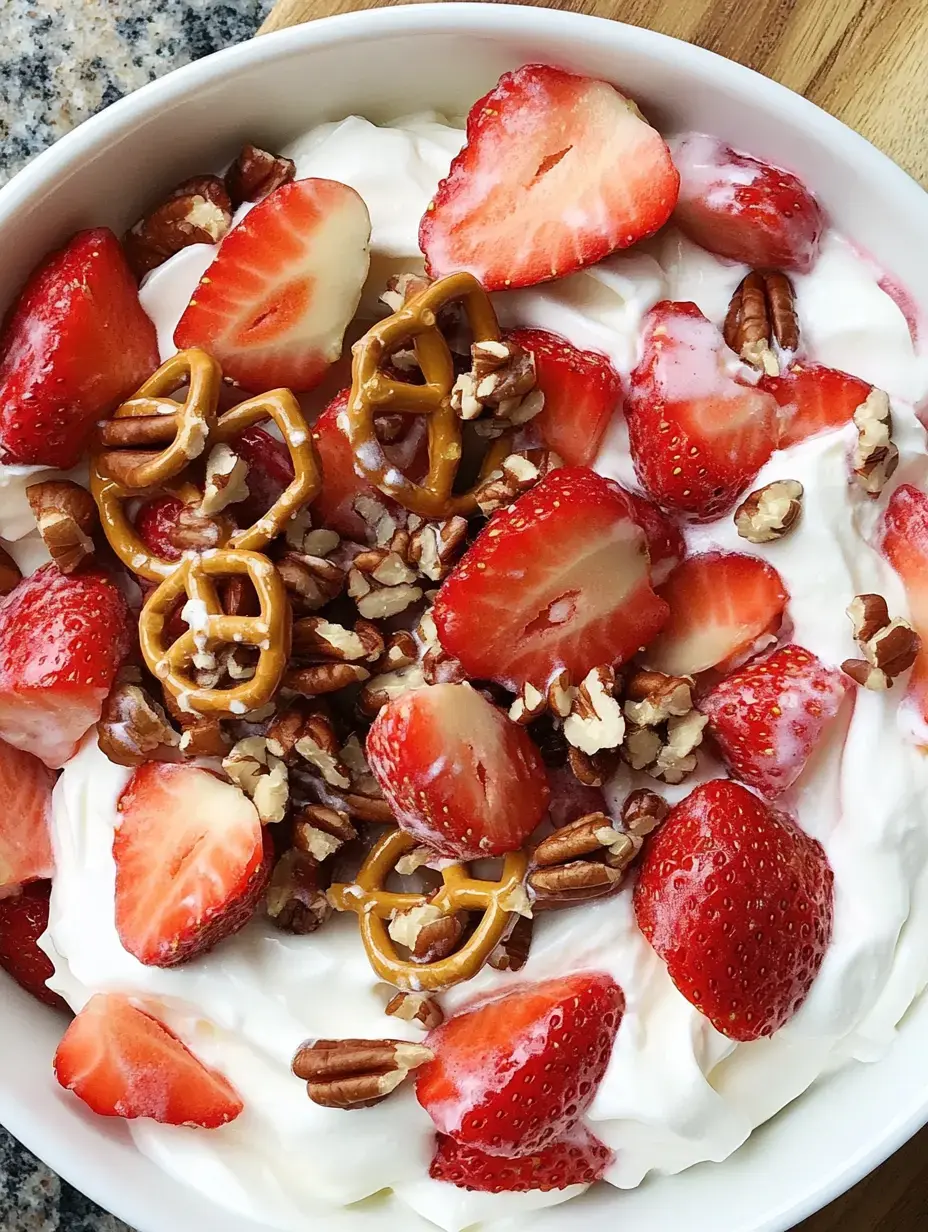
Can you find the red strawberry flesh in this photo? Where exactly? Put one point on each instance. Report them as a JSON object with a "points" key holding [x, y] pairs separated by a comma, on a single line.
{"points": [[25, 839], [23, 919], [457, 772], [904, 542], [558, 171], [76, 342], [515, 1073], [812, 399], [191, 862], [579, 1159], [122, 1062], [738, 902], [768, 717], [560, 579]]}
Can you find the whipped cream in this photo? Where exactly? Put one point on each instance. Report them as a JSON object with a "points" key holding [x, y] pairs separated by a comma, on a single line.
{"points": [[676, 1091]]}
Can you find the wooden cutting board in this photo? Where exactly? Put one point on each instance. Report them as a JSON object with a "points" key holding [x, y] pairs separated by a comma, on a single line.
{"points": [[862, 60]]}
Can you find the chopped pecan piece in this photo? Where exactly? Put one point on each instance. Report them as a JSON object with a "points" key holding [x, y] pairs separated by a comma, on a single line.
{"points": [[529, 705], [512, 952], [893, 649], [382, 583], [642, 812], [226, 480], [197, 211], [868, 614], [416, 1007], [321, 678], [261, 775], [435, 547], [890, 647], [762, 312], [66, 517], [134, 729], [400, 288], [652, 697], [591, 769], [296, 900], [595, 721], [321, 831], [677, 757], [10, 575], [400, 651], [383, 688], [517, 473], [866, 675], [255, 173], [427, 932], [318, 746], [354, 1073], [771, 512], [875, 457], [320, 638], [311, 581]]}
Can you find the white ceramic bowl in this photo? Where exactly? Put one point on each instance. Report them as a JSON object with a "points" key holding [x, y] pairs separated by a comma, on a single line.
{"points": [[381, 64]]}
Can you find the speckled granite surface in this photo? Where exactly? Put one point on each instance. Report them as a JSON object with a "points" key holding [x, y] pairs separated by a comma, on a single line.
{"points": [[61, 61]]}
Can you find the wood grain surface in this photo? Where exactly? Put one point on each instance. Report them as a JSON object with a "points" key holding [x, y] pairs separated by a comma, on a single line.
{"points": [[862, 60]]}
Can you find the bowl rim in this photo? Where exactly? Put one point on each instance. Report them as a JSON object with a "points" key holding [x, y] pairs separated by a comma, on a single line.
{"points": [[39, 177]]}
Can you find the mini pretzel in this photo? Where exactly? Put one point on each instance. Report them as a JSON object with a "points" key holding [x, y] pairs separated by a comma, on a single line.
{"points": [[374, 905], [269, 631], [374, 393], [282, 407], [119, 470]]}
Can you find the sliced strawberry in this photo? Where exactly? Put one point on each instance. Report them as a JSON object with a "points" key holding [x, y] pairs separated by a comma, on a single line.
{"points": [[514, 1074], [768, 717], [579, 1159], [560, 579], [122, 1062], [274, 304], [62, 640], [813, 398], [738, 901], [904, 541], [270, 473], [25, 837], [582, 392], [721, 605], [156, 522], [191, 862], [457, 772], [558, 171], [666, 545], [23, 920], [745, 209], [75, 344], [698, 428]]}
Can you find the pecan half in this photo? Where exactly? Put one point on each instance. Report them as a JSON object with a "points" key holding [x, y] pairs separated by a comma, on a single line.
{"points": [[762, 311], [585, 859], [771, 512], [875, 457], [296, 900], [66, 517], [10, 575], [197, 211], [353, 1073], [255, 173], [321, 678], [134, 729], [320, 831], [417, 1007]]}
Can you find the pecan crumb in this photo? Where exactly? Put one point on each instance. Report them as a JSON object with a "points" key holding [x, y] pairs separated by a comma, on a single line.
{"points": [[255, 173], [875, 457], [416, 1007], [642, 812], [261, 775], [771, 512]]}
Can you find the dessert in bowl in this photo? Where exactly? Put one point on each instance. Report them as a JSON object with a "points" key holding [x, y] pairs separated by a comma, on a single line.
{"points": [[722, 565]]}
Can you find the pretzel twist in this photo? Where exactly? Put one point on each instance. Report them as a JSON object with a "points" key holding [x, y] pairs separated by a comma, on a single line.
{"points": [[210, 629], [375, 905], [374, 393]]}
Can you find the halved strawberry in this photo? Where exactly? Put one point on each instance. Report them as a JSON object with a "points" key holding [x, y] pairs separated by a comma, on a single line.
{"points": [[738, 901], [560, 579], [514, 1073], [270, 472], [25, 838], [699, 430], [76, 342], [23, 920], [579, 1159], [191, 860], [904, 542], [582, 392], [721, 605], [745, 209], [156, 522], [274, 304], [768, 717], [813, 398], [457, 772], [558, 171], [123, 1062], [666, 545], [62, 640]]}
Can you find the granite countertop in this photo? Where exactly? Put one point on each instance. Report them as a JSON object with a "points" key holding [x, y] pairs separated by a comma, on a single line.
{"points": [[60, 62]]}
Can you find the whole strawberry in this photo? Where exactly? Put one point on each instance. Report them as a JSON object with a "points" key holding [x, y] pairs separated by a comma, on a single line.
{"points": [[738, 901], [513, 1075]]}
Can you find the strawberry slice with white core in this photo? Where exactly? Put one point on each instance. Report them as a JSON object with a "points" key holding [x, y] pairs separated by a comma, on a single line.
{"points": [[191, 860], [699, 429], [582, 392], [122, 1062], [722, 604], [745, 209], [62, 640], [904, 542], [457, 772], [768, 717], [274, 305], [560, 579], [25, 836], [812, 399], [558, 171]]}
